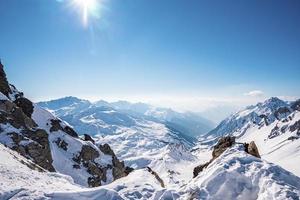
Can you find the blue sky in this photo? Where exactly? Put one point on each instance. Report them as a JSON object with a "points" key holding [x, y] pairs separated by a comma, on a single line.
{"points": [[185, 54]]}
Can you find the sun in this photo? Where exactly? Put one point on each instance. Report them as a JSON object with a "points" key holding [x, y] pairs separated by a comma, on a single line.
{"points": [[87, 8]]}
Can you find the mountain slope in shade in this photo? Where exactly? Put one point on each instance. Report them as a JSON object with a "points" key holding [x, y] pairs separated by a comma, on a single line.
{"points": [[274, 125]]}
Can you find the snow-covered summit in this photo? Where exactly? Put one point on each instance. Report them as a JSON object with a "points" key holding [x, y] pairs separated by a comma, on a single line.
{"points": [[261, 114], [274, 125]]}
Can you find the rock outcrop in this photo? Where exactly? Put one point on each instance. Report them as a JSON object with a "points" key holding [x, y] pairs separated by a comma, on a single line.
{"points": [[87, 137], [252, 149], [20, 130], [223, 144], [4, 85], [156, 177], [56, 126], [26, 106]]}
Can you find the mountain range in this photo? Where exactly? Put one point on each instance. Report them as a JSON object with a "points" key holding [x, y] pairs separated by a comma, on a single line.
{"points": [[74, 149]]}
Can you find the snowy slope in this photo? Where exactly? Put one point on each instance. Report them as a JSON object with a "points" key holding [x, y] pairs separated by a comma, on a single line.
{"points": [[238, 175], [274, 125], [18, 180], [51, 143], [234, 175]]}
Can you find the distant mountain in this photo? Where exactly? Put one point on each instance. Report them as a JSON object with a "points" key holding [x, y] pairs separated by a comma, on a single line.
{"points": [[274, 125], [104, 118], [137, 135]]}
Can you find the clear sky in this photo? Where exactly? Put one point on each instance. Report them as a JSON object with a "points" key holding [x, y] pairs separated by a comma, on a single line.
{"points": [[187, 54]]}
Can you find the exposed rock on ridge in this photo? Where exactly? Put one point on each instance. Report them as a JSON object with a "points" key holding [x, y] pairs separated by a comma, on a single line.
{"points": [[223, 144]]}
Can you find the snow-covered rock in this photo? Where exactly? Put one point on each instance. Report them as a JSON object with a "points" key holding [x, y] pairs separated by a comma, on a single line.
{"points": [[51, 143]]}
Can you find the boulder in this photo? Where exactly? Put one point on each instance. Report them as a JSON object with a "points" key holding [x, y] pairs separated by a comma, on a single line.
{"points": [[26, 105], [87, 137], [223, 144], [88, 153], [252, 149]]}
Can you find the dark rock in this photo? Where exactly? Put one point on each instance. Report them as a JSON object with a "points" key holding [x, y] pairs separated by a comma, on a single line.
{"points": [[26, 105], [56, 126], [156, 176], [296, 105], [252, 149], [94, 181], [295, 126], [293, 138], [265, 119], [4, 85], [40, 149], [119, 169], [70, 131], [105, 148], [36, 147], [76, 166], [19, 119], [14, 115], [87, 137], [61, 144], [274, 132], [223, 144], [281, 111], [199, 169], [128, 170], [88, 153]]}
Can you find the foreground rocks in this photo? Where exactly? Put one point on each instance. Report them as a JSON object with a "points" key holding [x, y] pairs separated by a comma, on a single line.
{"points": [[223, 144], [20, 132]]}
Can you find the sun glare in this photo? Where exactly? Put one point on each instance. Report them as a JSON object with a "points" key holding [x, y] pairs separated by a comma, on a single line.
{"points": [[88, 8]]}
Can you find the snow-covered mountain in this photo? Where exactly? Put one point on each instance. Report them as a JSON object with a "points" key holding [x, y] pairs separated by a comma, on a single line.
{"points": [[105, 117], [274, 125], [137, 136], [52, 144], [43, 157]]}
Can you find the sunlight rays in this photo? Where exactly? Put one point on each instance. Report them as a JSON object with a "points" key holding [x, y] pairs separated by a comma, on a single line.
{"points": [[88, 9]]}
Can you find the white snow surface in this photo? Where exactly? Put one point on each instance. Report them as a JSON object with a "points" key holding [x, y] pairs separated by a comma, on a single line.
{"points": [[234, 175], [238, 175]]}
